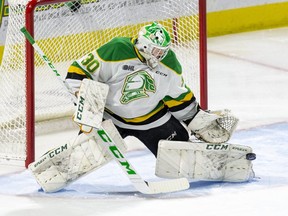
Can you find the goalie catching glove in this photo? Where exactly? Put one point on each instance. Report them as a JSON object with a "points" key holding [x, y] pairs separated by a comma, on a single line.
{"points": [[213, 127]]}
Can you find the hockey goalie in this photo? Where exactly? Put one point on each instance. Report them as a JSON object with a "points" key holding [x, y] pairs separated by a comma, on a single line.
{"points": [[134, 87]]}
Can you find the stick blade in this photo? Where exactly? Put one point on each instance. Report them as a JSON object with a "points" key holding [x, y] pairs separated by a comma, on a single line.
{"points": [[167, 186]]}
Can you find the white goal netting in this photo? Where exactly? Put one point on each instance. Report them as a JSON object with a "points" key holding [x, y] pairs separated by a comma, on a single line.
{"points": [[68, 30]]}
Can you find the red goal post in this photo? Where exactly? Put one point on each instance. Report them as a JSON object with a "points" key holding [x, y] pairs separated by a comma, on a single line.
{"points": [[94, 20]]}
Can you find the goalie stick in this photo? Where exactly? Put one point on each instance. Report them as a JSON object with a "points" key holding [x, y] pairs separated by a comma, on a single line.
{"points": [[141, 185]]}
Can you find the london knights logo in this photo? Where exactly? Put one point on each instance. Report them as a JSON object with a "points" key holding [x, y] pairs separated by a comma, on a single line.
{"points": [[136, 85]]}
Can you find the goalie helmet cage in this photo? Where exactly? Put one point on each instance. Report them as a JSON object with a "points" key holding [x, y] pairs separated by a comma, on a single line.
{"points": [[30, 94]]}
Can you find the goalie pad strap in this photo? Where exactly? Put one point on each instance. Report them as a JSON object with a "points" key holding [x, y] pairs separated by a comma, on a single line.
{"points": [[204, 161], [67, 163]]}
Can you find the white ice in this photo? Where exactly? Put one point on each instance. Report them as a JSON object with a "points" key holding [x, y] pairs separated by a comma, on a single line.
{"points": [[248, 73]]}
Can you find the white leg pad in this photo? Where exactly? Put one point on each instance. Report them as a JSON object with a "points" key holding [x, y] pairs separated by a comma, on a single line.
{"points": [[204, 161], [66, 163]]}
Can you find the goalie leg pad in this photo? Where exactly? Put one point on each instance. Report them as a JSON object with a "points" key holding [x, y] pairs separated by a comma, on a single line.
{"points": [[67, 163], [204, 161]]}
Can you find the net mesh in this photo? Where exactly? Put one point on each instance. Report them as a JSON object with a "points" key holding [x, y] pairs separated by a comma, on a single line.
{"points": [[69, 30]]}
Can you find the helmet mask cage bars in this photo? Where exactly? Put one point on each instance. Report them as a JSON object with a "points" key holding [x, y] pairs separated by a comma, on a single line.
{"points": [[153, 43]]}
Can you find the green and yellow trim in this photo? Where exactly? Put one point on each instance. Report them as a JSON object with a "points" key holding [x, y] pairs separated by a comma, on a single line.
{"points": [[145, 117], [76, 69], [170, 102], [158, 112]]}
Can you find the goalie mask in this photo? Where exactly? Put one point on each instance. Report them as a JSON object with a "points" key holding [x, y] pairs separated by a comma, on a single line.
{"points": [[153, 43]]}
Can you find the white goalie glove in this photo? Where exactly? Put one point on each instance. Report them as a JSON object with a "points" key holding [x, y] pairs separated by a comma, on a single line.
{"points": [[213, 127]]}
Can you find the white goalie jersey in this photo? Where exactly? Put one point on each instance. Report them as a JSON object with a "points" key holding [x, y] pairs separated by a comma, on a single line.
{"points": [[139, 97]]}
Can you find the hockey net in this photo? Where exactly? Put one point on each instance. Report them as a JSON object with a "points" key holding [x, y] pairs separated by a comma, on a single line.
{"points": [[67, 30]]}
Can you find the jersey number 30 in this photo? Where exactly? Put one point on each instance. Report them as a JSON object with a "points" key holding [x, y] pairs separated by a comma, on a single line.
{"points": [[90, 63]]}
